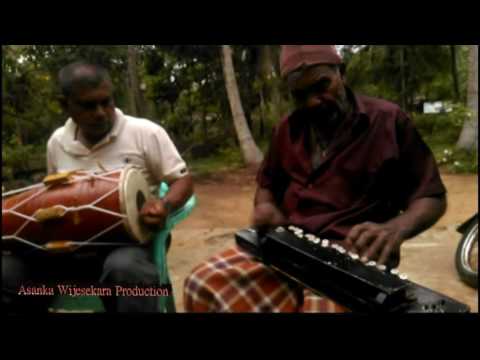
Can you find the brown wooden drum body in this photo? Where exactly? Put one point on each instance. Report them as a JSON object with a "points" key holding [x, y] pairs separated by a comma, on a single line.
{"points": [[88, 209]]}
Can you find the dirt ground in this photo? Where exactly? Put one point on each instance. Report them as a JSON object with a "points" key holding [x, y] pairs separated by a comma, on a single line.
{"points": [[225, 205]]}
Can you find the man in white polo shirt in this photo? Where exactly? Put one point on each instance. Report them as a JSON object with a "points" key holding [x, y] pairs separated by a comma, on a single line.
{"points": [[97, 136]]}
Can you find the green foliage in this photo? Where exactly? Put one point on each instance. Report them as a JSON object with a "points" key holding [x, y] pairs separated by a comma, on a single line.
{"points": [[28, 103], [185, 90], [441, 132], [377, 71], [186, 85], [228, 158], [457, 161], [18, 159], [271, 114], [445, 126]]}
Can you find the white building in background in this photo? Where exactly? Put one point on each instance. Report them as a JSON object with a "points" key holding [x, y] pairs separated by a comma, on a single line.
{"points": [[436, 107]]}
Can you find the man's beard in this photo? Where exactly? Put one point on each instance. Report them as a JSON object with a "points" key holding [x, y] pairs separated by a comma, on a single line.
{"points": [[328, 115]]}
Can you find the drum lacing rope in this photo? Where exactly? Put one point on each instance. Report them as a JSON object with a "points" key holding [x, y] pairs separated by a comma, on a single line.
{"points": [[14, 237], [12, 210], [67, 210], [98, 235], [79, 244], [13, 192]]}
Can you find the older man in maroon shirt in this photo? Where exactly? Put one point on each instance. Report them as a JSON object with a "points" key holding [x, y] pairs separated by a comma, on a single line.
{"points": [[346, 167]]}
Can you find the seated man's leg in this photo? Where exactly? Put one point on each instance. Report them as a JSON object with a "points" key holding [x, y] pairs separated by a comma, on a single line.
{"points": [[234, 282], [314, 303], [128, 268], [18, 272]]}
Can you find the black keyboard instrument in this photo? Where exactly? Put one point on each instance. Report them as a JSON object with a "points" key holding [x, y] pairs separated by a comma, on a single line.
{"points": [[328, 269]]}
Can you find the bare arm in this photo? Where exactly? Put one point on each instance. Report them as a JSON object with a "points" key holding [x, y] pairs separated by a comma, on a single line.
{"points": [[155, 212], [266, 212], [180, 191], [420, 216]]}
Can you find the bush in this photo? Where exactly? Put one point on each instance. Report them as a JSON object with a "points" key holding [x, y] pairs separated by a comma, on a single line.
{"points": [[445, 126], [458, 161], [228, 157], [441, 132], [21, 159]]}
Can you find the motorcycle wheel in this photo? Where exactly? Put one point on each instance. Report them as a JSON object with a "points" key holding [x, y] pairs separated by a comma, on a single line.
{"points": [[466, 259]]}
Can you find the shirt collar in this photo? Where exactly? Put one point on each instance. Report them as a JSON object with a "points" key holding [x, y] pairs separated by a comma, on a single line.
{"points": [[75, 147], [359, 115]]}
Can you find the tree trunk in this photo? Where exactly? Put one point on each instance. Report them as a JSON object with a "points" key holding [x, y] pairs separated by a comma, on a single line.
{"points": [[135, 97], [456, 88], [262, 114], [270, 77], [403, 77], [469, 136], [251, 153], [205, 126], [132, 107]]}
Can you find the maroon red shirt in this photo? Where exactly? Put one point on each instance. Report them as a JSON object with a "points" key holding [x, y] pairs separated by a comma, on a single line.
{"points": [[373, 170]]}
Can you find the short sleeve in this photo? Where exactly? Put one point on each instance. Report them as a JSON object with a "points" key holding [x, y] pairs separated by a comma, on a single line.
{"points": [[52, 166], [419, 173], [163, 159]]}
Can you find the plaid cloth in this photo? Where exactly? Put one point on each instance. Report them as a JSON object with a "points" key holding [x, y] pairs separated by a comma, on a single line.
{"points": [[233, 282]]}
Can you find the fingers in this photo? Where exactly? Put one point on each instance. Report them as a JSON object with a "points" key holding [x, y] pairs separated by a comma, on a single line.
{"points": [[386, 252], [152, 220], [153, 214], [153, 208], [356, 231], [376, 246], [361, 236], [364, 241], [372, 241]]}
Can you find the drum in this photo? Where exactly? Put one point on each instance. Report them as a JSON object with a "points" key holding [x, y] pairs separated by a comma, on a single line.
{"points": [[77, 209]]}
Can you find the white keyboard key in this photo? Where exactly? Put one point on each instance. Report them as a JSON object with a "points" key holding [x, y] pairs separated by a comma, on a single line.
{"points": [[395, 272], [354, 256], [381, 267]]}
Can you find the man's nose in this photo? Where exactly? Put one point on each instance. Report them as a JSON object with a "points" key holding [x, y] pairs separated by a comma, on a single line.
{"points": [[315, 100], [100, 111]]}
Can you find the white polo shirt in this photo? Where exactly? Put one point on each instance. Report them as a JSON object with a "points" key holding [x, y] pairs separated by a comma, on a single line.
{"points": [[132, 141]]}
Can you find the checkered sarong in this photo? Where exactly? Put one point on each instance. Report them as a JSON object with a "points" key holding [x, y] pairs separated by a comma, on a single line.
{"points": [[233, 282]]}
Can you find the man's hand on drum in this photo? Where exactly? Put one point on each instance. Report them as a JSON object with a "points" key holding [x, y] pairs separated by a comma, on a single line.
{"points": [[375, 241], [154, 213]]}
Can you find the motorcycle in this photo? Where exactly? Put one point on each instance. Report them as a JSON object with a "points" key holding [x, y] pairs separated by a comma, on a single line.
{"points": [[466, 258]]}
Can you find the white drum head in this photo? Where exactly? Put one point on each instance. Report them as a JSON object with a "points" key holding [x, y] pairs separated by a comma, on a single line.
{"points": [[134, 192]]}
